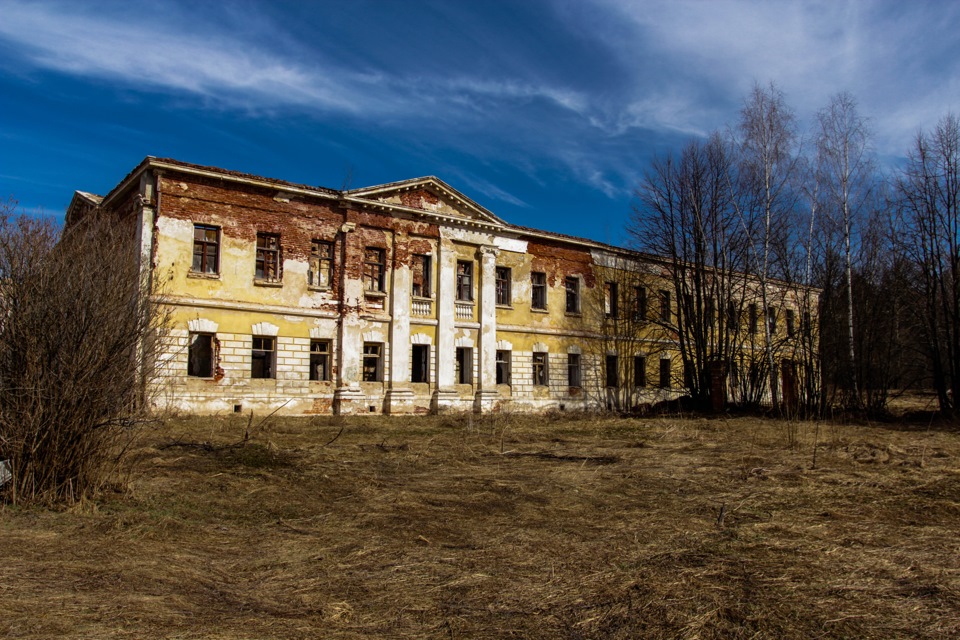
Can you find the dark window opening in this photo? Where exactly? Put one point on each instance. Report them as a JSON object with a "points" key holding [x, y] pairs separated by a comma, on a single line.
{"points": [[503, 367], [573, 370], [420, 363], [464, 280], [610, 299], [613, 377], [791, 328], [206, 249], [503, 286], [665, 374], [639, 304], [464, 365], [200, 357], [772, 320], [639, 371], [540, 368], [752, 318], [665, 313], [320, 360], [268, 257], [539, 282], [263, 357], [573, 294]]}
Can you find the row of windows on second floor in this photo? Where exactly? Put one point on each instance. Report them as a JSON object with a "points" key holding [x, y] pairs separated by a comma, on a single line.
{"points": [[320, 275], [539, 370]]}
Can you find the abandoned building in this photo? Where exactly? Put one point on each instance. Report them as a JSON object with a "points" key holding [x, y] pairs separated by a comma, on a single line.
{"points": [[399, 298]]}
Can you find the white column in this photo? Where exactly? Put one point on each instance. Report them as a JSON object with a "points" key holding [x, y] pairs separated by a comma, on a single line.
{"points": [[446, 316], [348, 397], [399, 396], [487, 335]]}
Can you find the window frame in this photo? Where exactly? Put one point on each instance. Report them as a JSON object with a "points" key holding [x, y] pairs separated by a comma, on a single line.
{"points": [[538, 290], [791, 322], [426, 281], [317, 356], [463, 365], [464, 280], [574, 371], [266, 353], [321, 264], [540, 364], [752, 320], [639, 303], [424, 363], [374, 269], [266, 255], [503, 278], [205, 244], [611, 371], [610, 296], [504, 366], [572, 286], [372, 351], [666, 374], [639, 371]]}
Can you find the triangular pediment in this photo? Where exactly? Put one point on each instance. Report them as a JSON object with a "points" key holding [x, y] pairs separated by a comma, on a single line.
{"points": [[430, 195]]}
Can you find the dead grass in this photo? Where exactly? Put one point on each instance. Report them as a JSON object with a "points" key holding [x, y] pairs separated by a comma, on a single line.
{"points": [[450, 527]]}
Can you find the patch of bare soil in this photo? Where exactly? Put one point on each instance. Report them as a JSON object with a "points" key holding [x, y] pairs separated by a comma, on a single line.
{"points": [[457, 527]]}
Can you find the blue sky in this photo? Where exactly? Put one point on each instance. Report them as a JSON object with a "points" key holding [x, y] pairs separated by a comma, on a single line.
{"points": [[545, 112]]}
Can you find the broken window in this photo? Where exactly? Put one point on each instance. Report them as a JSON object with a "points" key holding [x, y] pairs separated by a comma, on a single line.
{"points": [[665, 313], [206, 249], [464, 280], [268, 257], [752, 318], [464, 365], [420, 274], [503, 367], [320, 360], [200, 356], [321, 264], [639, 371], [540, 368], [572, 284], [263, 357], [573, 370], [374, 268], [791, 328], [709, 311], [372, 362], [665, 373], [639, 304], [733, 316], [420, 363], [502, 276], [610, 299], [539, 281], [613, 377]]}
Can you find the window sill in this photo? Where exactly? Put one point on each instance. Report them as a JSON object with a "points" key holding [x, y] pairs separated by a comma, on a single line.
{"points": [[469, 302], [539, 310], [311, 287], [505, 306], [203, 276], [421, 298], [375, 294], [574, 314], [267, 283]]}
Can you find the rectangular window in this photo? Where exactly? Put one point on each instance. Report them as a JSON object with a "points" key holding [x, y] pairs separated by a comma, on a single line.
{"points": [[320, 360], [539, 282], [372, 362], [639, 304], [420, 275], [613, 377], [733, 317], [772, 319], [665, 314], [503, 367], [573, 370], [807, 324], [464, 365], [268, 257], [752, 318], [791, 327], [503, 286], [540, 373], [573, 294], [374, 269], [206, 249], [610, 299], [709, 311], [464, 280], [665, 382], [200, 355], [263, 357], [639, 371], [420, 363], [321, 264]]}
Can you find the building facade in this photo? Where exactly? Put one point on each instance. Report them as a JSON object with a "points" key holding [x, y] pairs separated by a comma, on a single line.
{"points": [[399, 298]]}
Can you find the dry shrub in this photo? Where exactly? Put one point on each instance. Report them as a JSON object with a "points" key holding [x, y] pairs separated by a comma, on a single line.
{"points": [[75, 311]]}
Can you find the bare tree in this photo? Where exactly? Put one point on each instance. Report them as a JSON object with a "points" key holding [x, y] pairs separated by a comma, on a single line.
{"points": [[929, 192], [846, 176], [76, 316]]}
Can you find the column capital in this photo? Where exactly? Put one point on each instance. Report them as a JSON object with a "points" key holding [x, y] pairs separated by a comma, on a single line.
{"points": [[486, 250]]}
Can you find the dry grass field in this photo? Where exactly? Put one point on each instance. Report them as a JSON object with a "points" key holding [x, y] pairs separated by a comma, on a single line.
{"points": [[503, 527]]}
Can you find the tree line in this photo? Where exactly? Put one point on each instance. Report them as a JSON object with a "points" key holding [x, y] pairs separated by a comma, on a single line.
{"points": [[793, 257]]}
